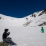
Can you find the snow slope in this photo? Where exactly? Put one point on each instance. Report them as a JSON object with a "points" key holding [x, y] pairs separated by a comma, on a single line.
{"points": [[25, 31], [34, 19], [26, 36]]}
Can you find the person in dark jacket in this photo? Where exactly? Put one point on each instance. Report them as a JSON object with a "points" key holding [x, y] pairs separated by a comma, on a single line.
{"points": [[6, 34], [6, 38]]}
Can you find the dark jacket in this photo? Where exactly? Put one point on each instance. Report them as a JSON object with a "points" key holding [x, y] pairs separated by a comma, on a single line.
{"points": [[5, 34]]}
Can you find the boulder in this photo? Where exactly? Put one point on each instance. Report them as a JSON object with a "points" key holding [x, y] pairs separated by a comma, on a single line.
{"points": [[3, 44]]}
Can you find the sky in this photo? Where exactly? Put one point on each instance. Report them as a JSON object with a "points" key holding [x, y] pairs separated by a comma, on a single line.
{"points": [[21, 8]]}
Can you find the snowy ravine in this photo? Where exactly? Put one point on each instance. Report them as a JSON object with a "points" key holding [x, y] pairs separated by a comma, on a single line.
{"points": [[25, 31]]}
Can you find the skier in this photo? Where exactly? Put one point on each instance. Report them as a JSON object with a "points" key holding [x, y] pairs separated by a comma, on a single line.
{"points": [[6, 38]]}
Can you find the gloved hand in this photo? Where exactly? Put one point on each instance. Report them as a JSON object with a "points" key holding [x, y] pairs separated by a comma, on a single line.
{"points": [[8, 32]]}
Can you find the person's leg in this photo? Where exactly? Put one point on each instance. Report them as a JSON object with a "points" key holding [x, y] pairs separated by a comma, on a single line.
{"points": [[6, 40], [11, 42]]}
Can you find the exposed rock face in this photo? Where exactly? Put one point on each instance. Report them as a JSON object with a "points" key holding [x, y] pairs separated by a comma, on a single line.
{"points": [[42, 24], [44, 11], [33, 15], [0, 17]]}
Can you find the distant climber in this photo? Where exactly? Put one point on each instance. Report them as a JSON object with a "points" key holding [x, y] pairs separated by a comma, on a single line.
{"points": [[42, 29], [6, 38]]}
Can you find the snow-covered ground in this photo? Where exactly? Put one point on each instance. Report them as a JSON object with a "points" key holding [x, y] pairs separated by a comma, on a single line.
{"points": [[30, 35], [26, 36]]}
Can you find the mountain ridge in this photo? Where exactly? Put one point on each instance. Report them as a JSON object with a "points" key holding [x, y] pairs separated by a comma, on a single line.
{"points": [[35, 19]]}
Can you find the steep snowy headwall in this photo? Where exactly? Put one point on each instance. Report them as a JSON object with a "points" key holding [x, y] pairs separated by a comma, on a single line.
{"points": [[35, 19]]}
